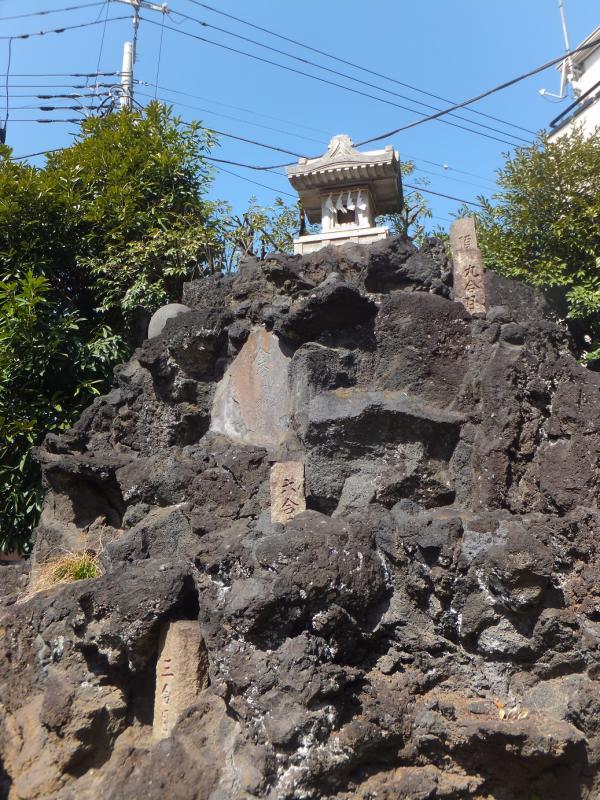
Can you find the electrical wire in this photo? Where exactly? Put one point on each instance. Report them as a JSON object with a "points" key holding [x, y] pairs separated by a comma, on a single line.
{"points": [[441, 194], [53, 11], [197, 108], [228, 116], [325, 80], [6, 83], [447, 167], [53, 108], [493, 90], [62, 30], [160, 46], [256, 183], [63, 74], [477, 98], [237, 108], [60, 85], [406, 185], [40, 153], [352, 64], [285, 121], [345, 75], [106, 4], [251, 141], [76, 121], [447, 177], [71, 96]]}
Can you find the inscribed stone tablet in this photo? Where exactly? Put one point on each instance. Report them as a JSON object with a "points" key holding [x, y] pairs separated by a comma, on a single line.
{"points": [[287, 491], [469, 281], [252, 402], [181, 673], [463, 235]]}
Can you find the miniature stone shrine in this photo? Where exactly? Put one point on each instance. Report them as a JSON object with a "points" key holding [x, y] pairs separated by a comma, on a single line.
{"points": [[469, 282], [345, 190]]}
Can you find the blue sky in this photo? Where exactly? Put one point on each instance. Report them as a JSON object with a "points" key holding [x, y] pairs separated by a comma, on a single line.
{"points": [[451, 48]]}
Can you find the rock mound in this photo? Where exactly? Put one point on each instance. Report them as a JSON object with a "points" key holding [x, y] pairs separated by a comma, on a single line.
{"points": [[427, 628]]}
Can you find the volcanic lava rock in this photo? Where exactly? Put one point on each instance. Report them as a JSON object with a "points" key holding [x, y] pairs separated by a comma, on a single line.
{"points": [[427, 628]]}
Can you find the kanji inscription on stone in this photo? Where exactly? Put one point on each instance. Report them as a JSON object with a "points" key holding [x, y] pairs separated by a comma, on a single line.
{"points": [[252, 402], [469, 276], [463, 235], [287, 490], [181, 673]]}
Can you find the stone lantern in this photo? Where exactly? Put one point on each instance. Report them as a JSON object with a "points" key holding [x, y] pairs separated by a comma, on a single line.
{"points": [[345, 190]]}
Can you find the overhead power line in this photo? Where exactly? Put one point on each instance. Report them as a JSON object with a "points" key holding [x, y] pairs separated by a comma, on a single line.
{"points": [[71, 96], [102, 37], [447, 167], [406, 156], [53, 108], [40, 153], [267, 127], [322, 80], [348, 77], [46, 121], [256, 183], [477, 98], [447, 177], [252, 111], [53, 11], [61, 85], [498, 88], [351, 63], [441, 194], [228, 116], [406, 185], [63, 74], [61, 30]]}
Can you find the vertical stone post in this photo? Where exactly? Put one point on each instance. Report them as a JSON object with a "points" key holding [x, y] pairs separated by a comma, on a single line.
{"points": [[469, 279], [287, 490], [181, 673]]}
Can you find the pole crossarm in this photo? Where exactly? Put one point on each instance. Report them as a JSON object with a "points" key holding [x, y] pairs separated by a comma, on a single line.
{"points": [[139, 4]]}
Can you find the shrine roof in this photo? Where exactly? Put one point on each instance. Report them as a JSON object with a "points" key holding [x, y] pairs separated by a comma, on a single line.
{"points": [[342, 166]]}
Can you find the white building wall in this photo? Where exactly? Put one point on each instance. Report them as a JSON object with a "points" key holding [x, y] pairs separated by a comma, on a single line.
{"points": [[590, 72], [589, 119]]}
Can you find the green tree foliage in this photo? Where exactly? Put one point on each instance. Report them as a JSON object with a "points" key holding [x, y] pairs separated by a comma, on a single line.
{"points": [[90, 245], [260, 230], [543, 227], [49, 369], [412, 218]]}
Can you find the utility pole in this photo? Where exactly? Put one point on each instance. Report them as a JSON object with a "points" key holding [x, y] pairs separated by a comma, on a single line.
{"points": [[130, 49], [567, 75]]}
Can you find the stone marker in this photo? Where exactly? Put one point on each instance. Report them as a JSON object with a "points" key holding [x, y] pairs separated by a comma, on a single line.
{"points": [[252, 402], [287, 490], [469, 278], [181, 673], [463, 235]]}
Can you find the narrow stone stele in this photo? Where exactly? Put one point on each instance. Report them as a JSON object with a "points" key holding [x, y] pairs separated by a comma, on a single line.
{"points": [[469, 278], [181, 673], [463, 235], [287, 491]]}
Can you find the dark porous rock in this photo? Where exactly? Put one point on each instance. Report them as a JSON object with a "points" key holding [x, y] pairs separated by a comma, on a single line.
{"points": [[331, 306], [524, 302], [428, 628]]}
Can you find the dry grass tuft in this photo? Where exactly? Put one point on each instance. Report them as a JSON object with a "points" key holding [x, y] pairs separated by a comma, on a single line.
{"points": [[66, 569]]}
